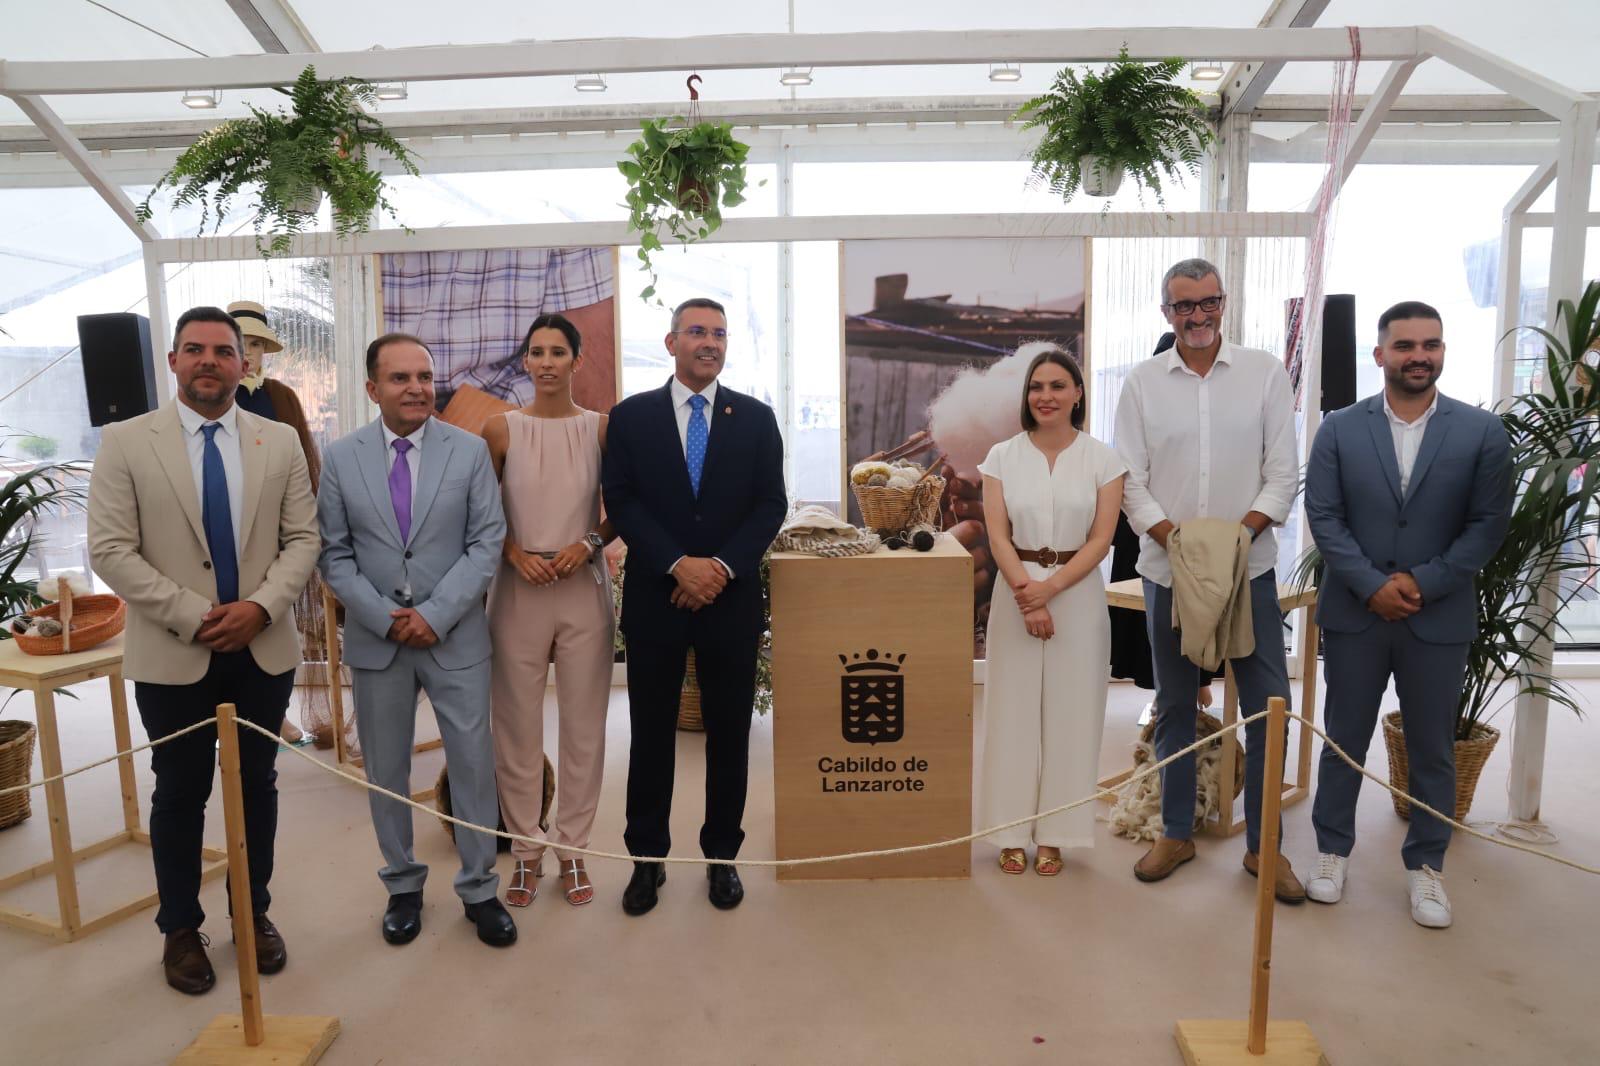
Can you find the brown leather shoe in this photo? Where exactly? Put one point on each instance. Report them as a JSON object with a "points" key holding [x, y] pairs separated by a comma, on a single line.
{"points": [[1164, 857], [1287, 886], [271, 955], [184, 960]]}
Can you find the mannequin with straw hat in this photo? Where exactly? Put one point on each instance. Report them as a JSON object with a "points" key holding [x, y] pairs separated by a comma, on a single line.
{"points": [[271, 398]]}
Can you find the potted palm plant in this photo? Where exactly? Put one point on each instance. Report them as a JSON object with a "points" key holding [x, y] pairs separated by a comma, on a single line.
{"points": [[680, 177], [292, 159], [1130, 118], [1542, 564]]}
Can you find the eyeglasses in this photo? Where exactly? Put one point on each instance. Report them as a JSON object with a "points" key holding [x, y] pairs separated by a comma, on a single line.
{"points": [[1186, 307], [700, 333]]}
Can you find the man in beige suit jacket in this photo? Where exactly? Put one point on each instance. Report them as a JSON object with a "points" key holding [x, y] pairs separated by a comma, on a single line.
{"points": [[201, 516]]}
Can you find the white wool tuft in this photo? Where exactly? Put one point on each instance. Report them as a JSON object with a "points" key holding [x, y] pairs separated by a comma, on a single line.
{"points": [[981, 408]]}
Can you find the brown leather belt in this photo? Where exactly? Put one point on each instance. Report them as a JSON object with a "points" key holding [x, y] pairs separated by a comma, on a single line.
{"points": [[1045, 556]]}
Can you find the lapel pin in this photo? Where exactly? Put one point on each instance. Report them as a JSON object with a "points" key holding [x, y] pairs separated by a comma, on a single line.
{"points": [[728, 410]]}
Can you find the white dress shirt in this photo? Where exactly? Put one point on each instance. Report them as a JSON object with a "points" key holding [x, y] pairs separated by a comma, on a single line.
{"points": [[681, 409], [1407, 438], [413, 457], [227, 439], [1217, 446]]}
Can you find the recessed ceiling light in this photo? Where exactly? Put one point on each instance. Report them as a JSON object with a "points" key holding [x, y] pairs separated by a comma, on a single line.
{"points": [[1207, 70], [589, 83], [795, 76], [394, 90], [202, 100], [1004, 72]]}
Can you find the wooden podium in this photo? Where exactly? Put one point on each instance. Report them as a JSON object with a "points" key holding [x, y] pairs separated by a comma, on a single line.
{"points": [[872, 710]]}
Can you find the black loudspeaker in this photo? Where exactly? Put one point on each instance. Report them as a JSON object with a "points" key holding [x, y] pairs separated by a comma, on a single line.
{"points": [[118, 368], [1338, 352]]}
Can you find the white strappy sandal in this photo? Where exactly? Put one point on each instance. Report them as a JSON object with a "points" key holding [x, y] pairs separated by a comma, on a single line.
{"points": [[520, 876], [575, 894]]}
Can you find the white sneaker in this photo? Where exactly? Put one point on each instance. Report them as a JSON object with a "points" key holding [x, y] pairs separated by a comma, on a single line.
{"points": [[1430, 907], [1326, 884]]}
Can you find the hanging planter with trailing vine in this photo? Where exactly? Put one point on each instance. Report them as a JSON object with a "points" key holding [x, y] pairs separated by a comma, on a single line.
{"points": [[292, 159]]}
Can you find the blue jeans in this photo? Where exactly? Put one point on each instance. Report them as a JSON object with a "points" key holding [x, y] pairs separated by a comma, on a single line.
{"points": [[1259, 676]]}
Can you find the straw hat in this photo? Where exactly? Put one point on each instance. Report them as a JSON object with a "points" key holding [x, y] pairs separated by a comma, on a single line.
{"points": [[252, 319]]}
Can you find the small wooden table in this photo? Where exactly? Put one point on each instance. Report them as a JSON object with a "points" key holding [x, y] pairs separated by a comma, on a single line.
{"points": [[1129, 594], [42, 675]]}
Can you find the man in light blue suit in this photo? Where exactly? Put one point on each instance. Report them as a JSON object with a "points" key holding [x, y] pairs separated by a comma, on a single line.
{"points": [[1408, 494], [412, 528]]}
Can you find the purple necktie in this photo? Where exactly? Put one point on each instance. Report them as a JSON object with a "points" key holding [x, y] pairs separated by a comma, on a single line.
{"points": [[400, 488]]}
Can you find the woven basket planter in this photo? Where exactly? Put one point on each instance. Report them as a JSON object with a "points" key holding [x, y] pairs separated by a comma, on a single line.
{"points": [[1471, 755], [95, 620], [689, 699], [16, 761], [891, 510]]}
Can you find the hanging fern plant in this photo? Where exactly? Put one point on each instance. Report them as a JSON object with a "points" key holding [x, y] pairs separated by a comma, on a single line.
{"points": [[679, 180], [1129, 118], [291, 159]]}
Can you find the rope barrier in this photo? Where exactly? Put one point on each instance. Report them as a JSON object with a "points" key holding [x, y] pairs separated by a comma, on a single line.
{"points": [[596, 853]]}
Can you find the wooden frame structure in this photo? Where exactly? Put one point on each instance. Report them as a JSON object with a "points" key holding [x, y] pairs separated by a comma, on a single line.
{"points": [[42, 675]]}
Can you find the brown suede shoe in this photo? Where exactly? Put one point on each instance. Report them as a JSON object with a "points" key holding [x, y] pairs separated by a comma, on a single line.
{"points": [[1287, 886], [184, 960], [1164, 857]]}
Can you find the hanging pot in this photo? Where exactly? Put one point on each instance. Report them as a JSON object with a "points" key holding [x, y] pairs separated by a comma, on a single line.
{"points": [[1099, 177], [306, 202]]}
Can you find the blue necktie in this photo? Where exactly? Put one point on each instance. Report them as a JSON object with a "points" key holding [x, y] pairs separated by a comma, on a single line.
{"points": [[694, 445], [217, 517]]}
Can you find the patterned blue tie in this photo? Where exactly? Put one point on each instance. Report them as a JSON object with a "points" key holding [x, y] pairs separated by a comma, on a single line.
{"points": [[694, 445], [217, 517]]}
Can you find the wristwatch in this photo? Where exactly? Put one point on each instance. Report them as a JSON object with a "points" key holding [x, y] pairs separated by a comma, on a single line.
{"points": [[595, 542]]}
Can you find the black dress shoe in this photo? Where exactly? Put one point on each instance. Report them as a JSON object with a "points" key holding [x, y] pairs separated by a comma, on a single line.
{"points": [[494, 923], [402, 919], [640, 895], [271, 954], [727, 892]]}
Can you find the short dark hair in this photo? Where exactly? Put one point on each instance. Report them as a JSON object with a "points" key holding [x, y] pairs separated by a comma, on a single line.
{"points": [[697, 301], [552, 321], [1403, 310], [384, 341], [1064, 360], [207, 314]]}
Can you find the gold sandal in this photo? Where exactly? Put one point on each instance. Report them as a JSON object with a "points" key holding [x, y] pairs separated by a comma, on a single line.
{"points": [[576, 894], [520, 876], [1013, 860], [1047, 865]]}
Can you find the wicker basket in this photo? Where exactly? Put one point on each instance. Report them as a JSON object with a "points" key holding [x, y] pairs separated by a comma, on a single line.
{"points": [[891, 510], [16, 762], [95, 620], [1471, 755], [689, 699]]}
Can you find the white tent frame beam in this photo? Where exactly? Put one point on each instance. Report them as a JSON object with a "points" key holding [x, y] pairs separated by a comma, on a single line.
{"points": [[84, 163], [1246, 83], [275, 26]]}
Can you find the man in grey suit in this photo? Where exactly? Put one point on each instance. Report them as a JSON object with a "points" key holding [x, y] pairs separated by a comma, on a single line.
{"points": [[1408, 494], [411, 530]]}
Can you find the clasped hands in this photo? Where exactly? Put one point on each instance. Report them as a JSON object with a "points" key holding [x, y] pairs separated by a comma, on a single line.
{"points": [[1399, 598], [699, 582], [229, 627], [1031, 597], [538, 570], [411, 629]]}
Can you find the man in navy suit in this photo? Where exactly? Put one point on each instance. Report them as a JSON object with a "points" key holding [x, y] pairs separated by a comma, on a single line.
{"points": [[693, 483], [1408, 494]]}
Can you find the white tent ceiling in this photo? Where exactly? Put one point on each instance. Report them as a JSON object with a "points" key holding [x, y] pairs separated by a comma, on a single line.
{"points": [[1556, 38]]}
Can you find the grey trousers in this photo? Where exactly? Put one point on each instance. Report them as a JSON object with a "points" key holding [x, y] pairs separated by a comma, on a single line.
{"points": [[1428, 680], [1259, 676], [386, 717]]}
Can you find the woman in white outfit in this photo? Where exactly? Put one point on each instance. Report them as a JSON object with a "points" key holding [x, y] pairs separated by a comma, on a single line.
{"points": [[1050, 499]]}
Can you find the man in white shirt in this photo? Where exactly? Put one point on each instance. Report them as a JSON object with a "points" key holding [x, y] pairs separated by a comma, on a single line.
{"points": [[1207, 431], [1408, 495]]}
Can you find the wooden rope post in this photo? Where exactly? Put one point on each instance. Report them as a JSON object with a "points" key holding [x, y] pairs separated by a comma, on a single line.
{"points": [[1267, 874], [1253, 1042], [244, 929]]}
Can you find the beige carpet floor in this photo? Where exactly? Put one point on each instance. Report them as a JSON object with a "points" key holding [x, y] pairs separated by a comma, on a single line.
{"points": [[1092, 967]]}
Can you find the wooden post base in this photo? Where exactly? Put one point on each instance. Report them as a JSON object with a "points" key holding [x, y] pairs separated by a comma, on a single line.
{"points": [[291, 1040], [1222, 1043]]}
